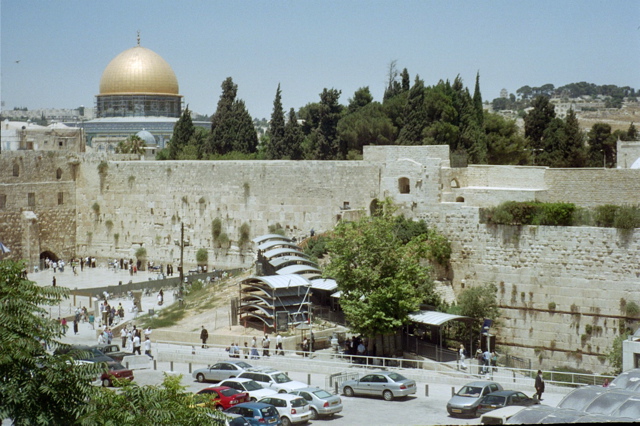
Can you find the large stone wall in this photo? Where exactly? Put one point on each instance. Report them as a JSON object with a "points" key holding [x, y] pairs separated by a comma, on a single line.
{"points": [[585, 272], [555, 284]]}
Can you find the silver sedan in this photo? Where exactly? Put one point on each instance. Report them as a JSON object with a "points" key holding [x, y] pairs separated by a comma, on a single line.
{"points": [[389, 384], [220, 371], [322, 403]]}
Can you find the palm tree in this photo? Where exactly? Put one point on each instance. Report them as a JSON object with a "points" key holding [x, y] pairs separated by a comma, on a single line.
{"points": [[134, 144]]}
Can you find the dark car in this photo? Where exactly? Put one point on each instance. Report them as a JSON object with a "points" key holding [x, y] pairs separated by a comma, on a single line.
{"points": [[112, 351], [83, 353], [504, 399], [466, 401], [257, 413], [116, 372]]}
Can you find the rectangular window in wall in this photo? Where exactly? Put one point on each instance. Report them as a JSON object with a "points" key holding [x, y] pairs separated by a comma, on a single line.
{"points": [[31, 199], [3, 201], [60, 198]]}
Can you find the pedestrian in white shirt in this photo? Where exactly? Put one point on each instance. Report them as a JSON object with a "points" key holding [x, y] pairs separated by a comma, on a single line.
{"points": [[147, 347]]}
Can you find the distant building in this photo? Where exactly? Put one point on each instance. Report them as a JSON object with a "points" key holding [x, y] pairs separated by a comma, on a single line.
{"points": [[24, 135], [504, 93]]}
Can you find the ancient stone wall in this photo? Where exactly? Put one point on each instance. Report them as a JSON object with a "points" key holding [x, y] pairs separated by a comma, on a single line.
{"points": [[560, 288], [144, 204]]}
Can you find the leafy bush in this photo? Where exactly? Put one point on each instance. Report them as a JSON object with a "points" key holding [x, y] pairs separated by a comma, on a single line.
{"points": [[553, 214], [627, 217], [223, 241], [216, 228], [552, 306], [103, 167], [316, 247], [243, 239], [202, 256], [276, 229], [141, 253], [605, 215], [632, 309]]}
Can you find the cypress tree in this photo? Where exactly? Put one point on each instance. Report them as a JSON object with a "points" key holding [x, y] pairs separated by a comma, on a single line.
{"points": [[414, 116], [293, 137], [274, 148], [221, 140], [182, 132], [477, 101]]}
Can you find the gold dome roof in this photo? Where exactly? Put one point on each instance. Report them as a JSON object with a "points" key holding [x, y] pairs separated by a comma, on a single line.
{"points": [[138, 70]]}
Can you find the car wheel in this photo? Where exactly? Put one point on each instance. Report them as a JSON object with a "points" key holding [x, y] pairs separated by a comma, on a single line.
{"points": [[285, 421], [253, 399], [387, 395], [282, 391], [313, 414], [106, 383], [219, 408], [200, 377], [348, 391]]}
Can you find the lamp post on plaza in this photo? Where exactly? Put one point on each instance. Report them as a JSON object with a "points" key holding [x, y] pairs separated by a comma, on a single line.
{"points": [[182, 243]]}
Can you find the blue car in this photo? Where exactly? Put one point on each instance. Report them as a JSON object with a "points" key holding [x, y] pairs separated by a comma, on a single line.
{"points": [[257, 413]]}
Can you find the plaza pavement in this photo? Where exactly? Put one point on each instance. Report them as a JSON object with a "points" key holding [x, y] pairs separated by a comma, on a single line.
{"points": [[418, 409]]}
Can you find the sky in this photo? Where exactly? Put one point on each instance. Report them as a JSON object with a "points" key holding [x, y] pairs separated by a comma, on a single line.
{"points": [[64, 46]]}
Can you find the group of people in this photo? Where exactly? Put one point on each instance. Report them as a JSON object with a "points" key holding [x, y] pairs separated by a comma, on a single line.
{"points": [[486, 359], [132, 340], [109, 313], [357, 345], [252, 352]]}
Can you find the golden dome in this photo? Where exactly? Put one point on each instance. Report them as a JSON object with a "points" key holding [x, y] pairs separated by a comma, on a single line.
{"points": [[138, 70]]}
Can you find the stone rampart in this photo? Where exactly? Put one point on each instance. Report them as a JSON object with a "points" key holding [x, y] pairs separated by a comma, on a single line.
{"points": [[560, 288]]}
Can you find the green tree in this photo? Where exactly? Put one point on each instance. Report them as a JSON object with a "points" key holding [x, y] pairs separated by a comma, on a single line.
{"points": [[614, 356], [406, 81], [369, 125], [632, 133], [293, 137], [478, 302], [414, 115], [231, 125], [361, 98], [382, 279], [132, 145], [477, 101], [167, 404], [575, 154], [394, 87], [36, 387], [183, 131], [323, 140], [505, 145], [537, 120], [274, 148], [602, 146]]}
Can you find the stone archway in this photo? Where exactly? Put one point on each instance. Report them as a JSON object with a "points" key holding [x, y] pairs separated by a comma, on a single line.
{"points": [[375, 207]]}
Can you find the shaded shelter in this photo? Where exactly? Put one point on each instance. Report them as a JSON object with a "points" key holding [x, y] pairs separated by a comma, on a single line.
{"points": [[425, 335]]}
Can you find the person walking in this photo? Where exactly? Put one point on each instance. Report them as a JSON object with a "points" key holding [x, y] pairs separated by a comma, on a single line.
{"points": [[147, 347], [136, 344], [265, 345], [279, 350], [245, 350], [539, 385], [75, 326], [123, 336], [463, 356], [204, 335]]}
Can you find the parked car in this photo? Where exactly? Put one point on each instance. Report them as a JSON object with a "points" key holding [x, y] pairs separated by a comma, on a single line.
{"points": [[220, 371], [293, 409], [223, 397], [257, 413], [273, 379], [321, 402], [504, 399], [84, 353], [500, 416], [255, 390], [235, 420], [466, 401], [116, 371], [112, 351], [389, 384]]}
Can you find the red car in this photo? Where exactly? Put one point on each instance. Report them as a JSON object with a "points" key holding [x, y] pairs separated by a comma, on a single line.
{"points": [[116, 371], [223, 397]]}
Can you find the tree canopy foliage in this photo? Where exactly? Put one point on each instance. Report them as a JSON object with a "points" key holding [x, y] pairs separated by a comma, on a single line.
{"points": [[383, 274]]}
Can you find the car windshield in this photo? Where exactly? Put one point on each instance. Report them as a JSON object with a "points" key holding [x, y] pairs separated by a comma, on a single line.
{"points": [[229, 392], [472, 391], [396, 377], [251, 386], [96, 352], [116, 366], [494, 400], [298, 402], [268, 411], [281, 378], [243, 364], [322, 393]]}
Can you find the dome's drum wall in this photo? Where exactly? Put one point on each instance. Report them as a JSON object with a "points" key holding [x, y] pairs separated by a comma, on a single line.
{"points": [[138, 106]]}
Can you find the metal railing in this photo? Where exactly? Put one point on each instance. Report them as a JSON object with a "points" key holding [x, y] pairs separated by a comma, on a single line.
{"points": [[329, 363]]}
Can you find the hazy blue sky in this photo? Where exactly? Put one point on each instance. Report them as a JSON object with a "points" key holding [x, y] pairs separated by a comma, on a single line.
{"points": [[64, 46]]}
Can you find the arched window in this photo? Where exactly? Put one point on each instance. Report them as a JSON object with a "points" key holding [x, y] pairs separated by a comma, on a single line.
{"points": [[403, 185], [16, 169], [460, 200], [59, 173], [455, 184], [375, 208]]}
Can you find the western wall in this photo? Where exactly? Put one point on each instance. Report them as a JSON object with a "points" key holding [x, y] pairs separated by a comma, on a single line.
{"points": [[552, 281]]}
